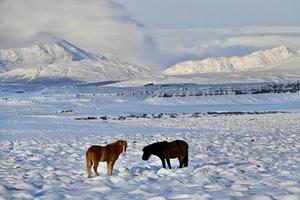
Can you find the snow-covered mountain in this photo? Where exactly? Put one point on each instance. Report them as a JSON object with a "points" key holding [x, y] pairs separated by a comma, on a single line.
{"points": [[274, 65], [62, 60], [255, 61], [47, 53]]}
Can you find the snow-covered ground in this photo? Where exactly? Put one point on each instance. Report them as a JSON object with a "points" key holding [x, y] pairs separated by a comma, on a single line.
{"points": [[42, 145]]}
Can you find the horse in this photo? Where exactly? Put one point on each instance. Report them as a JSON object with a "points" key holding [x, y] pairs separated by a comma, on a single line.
{"points": [[166, 150], [108, 153]]}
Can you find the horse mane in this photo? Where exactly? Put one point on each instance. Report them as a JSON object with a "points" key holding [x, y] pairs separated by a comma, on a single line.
{"points": [[117, 146], [156, 145]]}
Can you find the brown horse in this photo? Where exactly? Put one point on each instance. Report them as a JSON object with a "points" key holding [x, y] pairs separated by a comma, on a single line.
{"points": [[108, 153], [166, 150]]}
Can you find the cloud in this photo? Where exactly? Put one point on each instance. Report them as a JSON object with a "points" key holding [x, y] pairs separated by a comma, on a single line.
{"points": [[95, 25], [104, 27], [186, 44], [263, 41]]}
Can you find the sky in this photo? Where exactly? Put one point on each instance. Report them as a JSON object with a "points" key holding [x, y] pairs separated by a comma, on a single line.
{"points": [[175, 14], [155, 33]]}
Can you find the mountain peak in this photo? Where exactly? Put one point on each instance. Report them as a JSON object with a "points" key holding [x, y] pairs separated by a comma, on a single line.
{"points": [[256, 60], [44, 53], [60, 60], [282, 51]]}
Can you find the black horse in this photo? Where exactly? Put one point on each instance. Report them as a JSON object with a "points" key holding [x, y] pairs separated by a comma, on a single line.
{"points": [[166, 150]]}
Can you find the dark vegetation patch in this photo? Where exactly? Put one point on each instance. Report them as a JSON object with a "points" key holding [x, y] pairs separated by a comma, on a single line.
{"points": [[245, 113], [238, 89], [86, 118], [176, 115], [66, 111]]}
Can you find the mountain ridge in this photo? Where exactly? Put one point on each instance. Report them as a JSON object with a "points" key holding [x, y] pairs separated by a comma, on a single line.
{"points": [[257, 60]]}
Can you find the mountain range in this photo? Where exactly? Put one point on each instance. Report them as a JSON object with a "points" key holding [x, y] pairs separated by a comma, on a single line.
{"points": [[258, 60], [62, 61]]}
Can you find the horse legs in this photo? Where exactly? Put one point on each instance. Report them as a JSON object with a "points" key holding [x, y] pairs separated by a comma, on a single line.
{"points": [[186, 160], [89, 164], [110, 166], [96, 162], [183, 161], [180, 162], [163, 162], [169, 163]]}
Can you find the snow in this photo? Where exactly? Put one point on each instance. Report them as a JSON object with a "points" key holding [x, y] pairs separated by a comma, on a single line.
{"points": [[44, 53], [62, 60], [248, 156], [257, 60], [79, 71]]}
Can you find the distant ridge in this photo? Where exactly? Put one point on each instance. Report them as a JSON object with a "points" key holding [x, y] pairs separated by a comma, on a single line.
{"points": [[254, 61]]}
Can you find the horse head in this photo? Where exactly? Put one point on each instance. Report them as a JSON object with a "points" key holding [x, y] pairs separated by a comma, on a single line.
{"points": [[123, 144], [146, 154]]}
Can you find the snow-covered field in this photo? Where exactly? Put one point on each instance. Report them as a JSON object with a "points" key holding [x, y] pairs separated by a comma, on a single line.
{"points": [[246, 156]]}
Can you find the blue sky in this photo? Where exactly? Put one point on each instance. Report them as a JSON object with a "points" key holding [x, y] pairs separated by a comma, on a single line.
{"points": [[170, 14]]}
